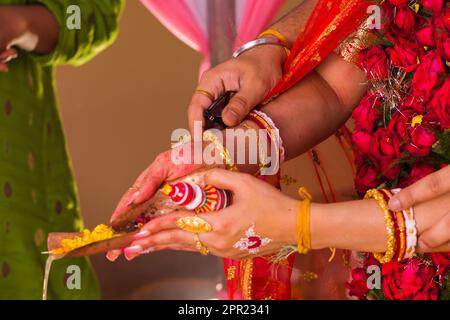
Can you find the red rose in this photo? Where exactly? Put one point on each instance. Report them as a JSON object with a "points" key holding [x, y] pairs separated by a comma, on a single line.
{"points": [[445, 48], [404, 55], [427, 74], [401, 122], [384, 144], [366, 178], [385, 149], [440, 104], [422, 141], [425, 36], [434, 5], [358, 285], [404, 23], [362, 140], [442, 261], [374, 62], [442, 20], [410, 280], [418, 171], [367, 113]]}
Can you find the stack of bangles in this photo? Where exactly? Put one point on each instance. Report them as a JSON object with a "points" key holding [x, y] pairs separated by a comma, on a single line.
{"points": [[264, 122], [400, 226]]}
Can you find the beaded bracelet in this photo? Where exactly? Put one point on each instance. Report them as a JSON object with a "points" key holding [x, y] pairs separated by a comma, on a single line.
{"points": [[388, 256]]}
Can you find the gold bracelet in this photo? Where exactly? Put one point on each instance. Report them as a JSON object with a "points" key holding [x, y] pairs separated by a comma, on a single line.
{"points": [[390, 226], [303, 222], [209, 136]]}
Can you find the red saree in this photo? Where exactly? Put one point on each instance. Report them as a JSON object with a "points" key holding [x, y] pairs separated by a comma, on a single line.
{"points": [[330, 23]]}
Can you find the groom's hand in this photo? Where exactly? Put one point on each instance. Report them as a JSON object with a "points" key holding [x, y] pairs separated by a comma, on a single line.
{"points": [[430, 187], [251, 76]]}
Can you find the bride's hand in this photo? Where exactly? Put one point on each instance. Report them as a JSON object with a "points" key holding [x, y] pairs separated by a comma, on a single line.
{"points": [[251, 75], [253, 210], [162, 169]]}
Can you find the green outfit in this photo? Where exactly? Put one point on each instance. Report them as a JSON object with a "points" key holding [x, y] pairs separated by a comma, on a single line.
{"points": [[37, 190]]}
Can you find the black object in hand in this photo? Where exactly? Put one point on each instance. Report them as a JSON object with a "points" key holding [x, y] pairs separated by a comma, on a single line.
{"points": [[213, 115]]}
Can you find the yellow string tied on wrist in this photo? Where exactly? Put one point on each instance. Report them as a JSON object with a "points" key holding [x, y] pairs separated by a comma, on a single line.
{"points": [[303, 224]]}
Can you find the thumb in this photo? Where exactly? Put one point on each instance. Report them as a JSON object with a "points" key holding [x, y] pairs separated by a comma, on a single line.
{"points": [[223, 179], [240, 105]]}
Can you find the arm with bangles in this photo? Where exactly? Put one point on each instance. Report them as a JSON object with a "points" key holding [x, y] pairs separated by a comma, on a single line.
{"points": [[320, 104], [252, 74]]}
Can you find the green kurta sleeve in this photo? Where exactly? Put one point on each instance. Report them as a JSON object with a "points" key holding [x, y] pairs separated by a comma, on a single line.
{"points": [[99, 25]]}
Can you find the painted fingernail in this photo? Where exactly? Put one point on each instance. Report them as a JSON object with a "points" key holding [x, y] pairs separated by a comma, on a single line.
{"points": [[132, 252], [394, 204], [133, 198], [149, 250], [142, 234], [111, 256], [9, 58]]}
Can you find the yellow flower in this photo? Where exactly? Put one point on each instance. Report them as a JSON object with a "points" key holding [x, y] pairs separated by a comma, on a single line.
{"points": [[417, 120], [100, 232]]}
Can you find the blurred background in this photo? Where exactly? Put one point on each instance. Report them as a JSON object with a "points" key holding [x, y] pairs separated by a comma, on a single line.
{"points": [[118, 112]]}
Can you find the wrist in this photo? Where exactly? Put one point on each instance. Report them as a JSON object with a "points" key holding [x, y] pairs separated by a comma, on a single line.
{"points": [[321, 232], [272, 53]]}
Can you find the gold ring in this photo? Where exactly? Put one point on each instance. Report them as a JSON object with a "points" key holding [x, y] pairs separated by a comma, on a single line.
{"points": [[200, 247], [133, 188], [194, 225], [206, 94]]}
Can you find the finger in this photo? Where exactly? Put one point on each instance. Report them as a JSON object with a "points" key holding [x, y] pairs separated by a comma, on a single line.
{"points": [[212, 82], [112, 255], [425, 189], [143, 188], [240, 105], [196, 108], [173, 248], [8, 55], [165, 222], [164, 238], [438, 235], [3, 67], [150, 181]]}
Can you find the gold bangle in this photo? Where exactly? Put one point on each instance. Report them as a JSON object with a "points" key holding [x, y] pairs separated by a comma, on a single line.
{"points": [[390, 226], [303, 222], [209, 136]]}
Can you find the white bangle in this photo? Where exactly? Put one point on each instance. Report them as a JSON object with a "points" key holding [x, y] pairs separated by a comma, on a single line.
{"points": [[411, 230], [279, 141], [256, 43]]}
